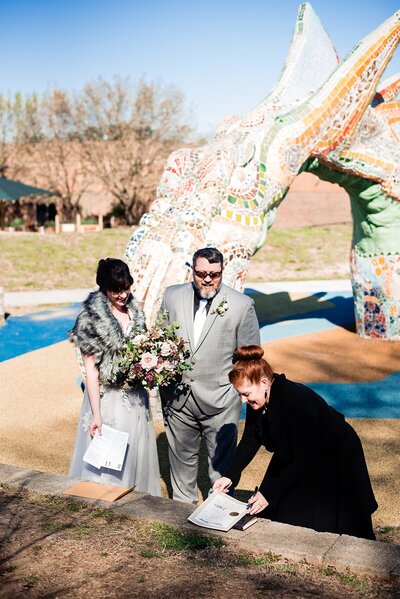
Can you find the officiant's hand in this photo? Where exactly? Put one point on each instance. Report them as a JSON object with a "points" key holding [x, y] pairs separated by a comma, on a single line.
{"points": [[257, 503], [95, 425], [222, 484]]}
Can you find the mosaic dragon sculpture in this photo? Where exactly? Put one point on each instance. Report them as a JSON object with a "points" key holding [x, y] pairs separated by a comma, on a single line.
{"points": [[331, 118]]}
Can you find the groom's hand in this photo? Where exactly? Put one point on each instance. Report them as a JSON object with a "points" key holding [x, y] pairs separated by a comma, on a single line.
{"points": [[222, 484]]}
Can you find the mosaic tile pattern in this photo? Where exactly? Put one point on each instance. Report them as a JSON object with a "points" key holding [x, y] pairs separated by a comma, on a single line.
{"points": [[225, 193], [376, 290]]}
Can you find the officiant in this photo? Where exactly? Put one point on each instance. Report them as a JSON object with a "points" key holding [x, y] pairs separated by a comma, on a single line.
{"points": [[317, 477]]}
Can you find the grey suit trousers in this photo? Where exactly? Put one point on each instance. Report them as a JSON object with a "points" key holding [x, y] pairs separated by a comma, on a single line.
{"points": [[184, 429]]}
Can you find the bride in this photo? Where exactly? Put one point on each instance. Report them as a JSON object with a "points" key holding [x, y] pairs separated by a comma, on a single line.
{"points": [[105, 318]]}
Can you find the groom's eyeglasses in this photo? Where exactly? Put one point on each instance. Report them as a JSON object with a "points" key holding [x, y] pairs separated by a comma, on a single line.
{"points": [[203, 275]]}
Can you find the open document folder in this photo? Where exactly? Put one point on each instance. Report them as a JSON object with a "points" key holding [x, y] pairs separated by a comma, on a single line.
{"points": [[108, 449], [219, 511]]}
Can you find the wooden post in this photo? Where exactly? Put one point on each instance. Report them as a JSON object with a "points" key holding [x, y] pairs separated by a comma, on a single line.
{"points": [[78, 223], [57, 223], [101, 225]]}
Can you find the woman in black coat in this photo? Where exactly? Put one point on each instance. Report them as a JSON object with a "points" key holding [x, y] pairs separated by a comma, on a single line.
{"points": [[317, 476]]}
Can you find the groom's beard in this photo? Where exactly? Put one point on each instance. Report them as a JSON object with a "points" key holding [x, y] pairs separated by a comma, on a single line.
{"points": [[204, 294]]}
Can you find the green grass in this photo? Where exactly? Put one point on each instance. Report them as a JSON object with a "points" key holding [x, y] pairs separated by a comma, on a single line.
{"points": [[248, 559], [75, 518], [298, 244], [52, 526], [303, 253], [157, 540], [64, 504], [81, 531], [149, 553], [31, 261], [28, 582], [171, 539], [346, 578]]}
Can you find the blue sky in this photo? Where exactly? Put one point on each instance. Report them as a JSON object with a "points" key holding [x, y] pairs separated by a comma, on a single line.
{"points": [[223, 55]]}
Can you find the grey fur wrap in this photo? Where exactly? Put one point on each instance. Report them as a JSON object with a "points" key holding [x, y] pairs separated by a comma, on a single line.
{"points": [[98, 333]]}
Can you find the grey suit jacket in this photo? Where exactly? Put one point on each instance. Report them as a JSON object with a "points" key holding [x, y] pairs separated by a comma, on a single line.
{"points": [[211, 359]]}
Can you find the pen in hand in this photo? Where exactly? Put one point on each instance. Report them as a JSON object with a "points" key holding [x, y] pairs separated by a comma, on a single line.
{"points": [[249, 505]]}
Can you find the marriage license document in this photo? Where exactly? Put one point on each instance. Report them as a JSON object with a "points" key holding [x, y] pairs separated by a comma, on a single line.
{"points": [[219, 511]]}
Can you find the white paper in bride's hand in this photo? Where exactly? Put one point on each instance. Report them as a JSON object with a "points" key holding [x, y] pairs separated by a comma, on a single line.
{"points": [[219, 511], [108, 449], [97, 450]]}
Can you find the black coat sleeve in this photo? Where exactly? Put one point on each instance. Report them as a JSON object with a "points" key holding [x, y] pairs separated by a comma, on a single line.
{"points": [[250, 443]]}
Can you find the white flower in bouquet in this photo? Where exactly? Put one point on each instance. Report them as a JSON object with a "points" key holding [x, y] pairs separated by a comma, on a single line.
{"points": [[148, 361], [168, 366], [137, 340], [165, 349], [164, 365]]}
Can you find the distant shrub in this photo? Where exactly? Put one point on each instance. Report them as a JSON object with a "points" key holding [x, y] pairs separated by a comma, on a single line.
{"points": [[16, 222]]}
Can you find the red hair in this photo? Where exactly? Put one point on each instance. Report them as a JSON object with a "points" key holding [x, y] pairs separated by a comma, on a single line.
{"points": [[250, 365]]}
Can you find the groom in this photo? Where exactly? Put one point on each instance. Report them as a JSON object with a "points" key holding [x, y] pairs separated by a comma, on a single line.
{"points": [[214, 320]]}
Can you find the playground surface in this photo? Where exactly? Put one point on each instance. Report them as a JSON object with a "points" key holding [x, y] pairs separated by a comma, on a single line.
{"points": [[307, 331]]}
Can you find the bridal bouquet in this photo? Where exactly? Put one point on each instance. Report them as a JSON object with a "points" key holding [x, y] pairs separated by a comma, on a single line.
{"points": [[154, 358]]}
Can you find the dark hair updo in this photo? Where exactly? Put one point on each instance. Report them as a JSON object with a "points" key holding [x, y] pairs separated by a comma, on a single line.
{"points": [[113, 275], [249, 364]]}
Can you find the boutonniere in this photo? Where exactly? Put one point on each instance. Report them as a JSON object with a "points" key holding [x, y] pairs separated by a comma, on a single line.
{"points": [[221, 308]]}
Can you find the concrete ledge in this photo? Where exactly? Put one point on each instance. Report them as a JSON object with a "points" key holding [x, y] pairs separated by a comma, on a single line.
{"points": [[39, 482], [342, 552], [292, 542], [373, 558], [157, 509]]}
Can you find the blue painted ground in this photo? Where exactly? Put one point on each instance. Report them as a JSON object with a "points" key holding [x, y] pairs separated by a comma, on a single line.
{"points": [[375, 399], [22, 334], [279, 317]]}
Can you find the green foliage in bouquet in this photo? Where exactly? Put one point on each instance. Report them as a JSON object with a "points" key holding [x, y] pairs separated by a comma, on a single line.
{"points": [[153, 358]]}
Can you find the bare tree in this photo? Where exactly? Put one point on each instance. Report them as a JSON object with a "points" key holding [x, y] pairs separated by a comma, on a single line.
{"points": [[126, 137], [57, 159], [18, 130], [14, 126]]}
